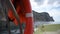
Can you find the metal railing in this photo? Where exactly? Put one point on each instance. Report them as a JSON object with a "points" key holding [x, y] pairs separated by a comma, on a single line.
{"points": [[5, 12]]}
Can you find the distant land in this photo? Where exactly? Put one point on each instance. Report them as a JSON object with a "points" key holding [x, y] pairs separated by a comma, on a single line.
{"points": [[44, 16]]}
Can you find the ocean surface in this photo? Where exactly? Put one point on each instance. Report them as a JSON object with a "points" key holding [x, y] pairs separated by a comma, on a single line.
{"points": [[43, 23]]}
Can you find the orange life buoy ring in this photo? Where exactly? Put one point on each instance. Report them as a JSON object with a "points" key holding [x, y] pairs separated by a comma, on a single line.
{"points": [[24, 11]]}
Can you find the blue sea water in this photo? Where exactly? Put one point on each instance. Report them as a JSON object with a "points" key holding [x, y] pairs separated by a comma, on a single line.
{"points": [[41, 23]]}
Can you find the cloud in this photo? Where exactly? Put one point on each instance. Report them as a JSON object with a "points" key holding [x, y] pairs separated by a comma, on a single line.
{"points": [[40, 2], [53, 1], [50, 6]]}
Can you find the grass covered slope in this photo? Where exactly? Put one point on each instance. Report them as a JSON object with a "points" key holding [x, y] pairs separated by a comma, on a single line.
{"points": [[52, 27], [47, 28]]}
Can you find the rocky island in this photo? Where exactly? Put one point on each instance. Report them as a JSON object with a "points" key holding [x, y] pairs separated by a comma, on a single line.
{"points": [[44, 16]]}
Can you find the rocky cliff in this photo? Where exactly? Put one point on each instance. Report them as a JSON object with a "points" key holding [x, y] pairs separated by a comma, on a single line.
{"points": [[44, 16]]}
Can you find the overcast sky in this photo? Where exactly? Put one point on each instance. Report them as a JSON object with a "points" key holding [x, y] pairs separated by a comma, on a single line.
{"points": [[50, 6]]}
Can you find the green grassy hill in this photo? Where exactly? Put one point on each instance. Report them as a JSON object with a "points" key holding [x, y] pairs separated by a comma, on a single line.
{"points": [[47, 28], [52, 27]]}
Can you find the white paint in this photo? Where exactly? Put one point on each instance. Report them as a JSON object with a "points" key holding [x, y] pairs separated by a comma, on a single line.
{"points": [[29, 15]]}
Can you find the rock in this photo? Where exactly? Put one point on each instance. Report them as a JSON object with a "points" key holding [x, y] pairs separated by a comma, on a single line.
{"points": [[44, 16]]}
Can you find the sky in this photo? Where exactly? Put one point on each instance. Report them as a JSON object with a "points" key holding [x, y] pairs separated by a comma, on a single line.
{"points": [[50, 6]]}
